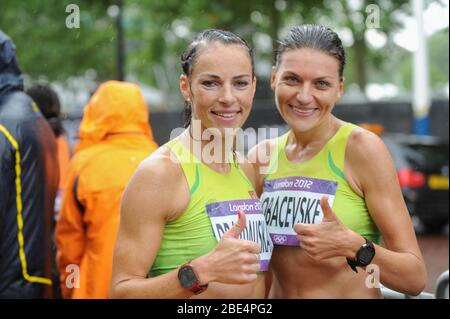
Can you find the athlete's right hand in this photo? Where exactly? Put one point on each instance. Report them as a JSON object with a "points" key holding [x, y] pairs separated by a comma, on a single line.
{"points": [[233, 260]]}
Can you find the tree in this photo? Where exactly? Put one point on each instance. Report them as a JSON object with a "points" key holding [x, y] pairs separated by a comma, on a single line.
{"points": [[46, 47], [438, 61], [359, 20], [156, 33]]}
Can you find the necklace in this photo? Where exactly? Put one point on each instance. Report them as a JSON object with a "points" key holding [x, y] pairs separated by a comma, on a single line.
{"points": [[233, 151], [192, 137]]}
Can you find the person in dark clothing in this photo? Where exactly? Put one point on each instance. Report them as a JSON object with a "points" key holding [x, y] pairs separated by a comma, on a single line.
{"points": [[28, 184], [48, 103]]}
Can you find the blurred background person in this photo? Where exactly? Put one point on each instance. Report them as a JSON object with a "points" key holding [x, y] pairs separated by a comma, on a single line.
{"points": [[28, 184], [114, 137], [48, 102]]}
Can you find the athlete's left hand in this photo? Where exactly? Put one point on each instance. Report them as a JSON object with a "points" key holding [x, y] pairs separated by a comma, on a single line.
{"points": [[331, 238]]}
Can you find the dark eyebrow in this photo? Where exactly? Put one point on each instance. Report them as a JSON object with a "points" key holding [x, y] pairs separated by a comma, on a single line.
{"points": [[290, 73], [242, 76], [214, 76], [316, 79], [324, 78]]}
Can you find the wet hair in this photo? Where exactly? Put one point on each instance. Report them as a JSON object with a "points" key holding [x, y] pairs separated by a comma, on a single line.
{"points": [[192, 52], [48, 102], [313, 37]]}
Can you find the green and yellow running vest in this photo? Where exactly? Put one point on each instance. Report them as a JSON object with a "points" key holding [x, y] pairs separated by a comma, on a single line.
{"points": [[327, 165], [191, 235]]}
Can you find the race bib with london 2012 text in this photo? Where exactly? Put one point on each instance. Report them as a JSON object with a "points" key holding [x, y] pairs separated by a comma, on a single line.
{"points": [[292, 200], [223, 216]]}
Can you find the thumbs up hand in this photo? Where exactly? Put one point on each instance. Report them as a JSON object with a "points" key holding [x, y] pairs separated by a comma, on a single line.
{"points": [[233, 260], [330, 238]]}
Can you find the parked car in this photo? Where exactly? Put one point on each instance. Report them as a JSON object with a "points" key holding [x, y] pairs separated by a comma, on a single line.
{"points": [[423, 173]]}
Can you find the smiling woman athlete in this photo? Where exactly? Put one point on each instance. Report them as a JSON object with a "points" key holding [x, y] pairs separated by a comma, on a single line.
{"points": [[322, 252], [166, 246]]}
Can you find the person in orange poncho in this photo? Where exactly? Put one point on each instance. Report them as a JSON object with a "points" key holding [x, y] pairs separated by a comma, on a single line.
{"points": [[114, 137]]}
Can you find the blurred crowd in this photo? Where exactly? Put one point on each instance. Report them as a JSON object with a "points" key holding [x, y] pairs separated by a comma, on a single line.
{"points": [[59, 208]]}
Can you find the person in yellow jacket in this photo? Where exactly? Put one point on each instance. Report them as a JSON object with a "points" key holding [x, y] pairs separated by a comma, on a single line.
{"points": [[114, 137]]}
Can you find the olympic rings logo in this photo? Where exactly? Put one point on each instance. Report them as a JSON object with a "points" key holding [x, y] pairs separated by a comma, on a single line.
{"points": [[279, 239]]}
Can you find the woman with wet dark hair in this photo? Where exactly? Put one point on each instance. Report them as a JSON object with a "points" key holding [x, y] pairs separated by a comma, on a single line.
{"points": [[180, 236], [189, 57], [329, 188]]}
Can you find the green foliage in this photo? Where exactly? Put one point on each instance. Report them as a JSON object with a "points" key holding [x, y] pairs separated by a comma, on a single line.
{"points": [[438, 56], [438, 45], [156, 33], [46, 47]]}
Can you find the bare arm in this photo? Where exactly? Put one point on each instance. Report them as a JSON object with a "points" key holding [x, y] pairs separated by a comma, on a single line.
{"points": [[401, 263], [148, 203], [371, 173], [145, 208]]}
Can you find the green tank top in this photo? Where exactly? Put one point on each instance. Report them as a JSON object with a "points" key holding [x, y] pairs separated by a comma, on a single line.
{"points": [[191, 235], [328, 165]]}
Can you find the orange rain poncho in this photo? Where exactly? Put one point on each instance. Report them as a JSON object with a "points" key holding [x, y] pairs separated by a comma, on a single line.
{"points": [[114, 138], [63, 159]]}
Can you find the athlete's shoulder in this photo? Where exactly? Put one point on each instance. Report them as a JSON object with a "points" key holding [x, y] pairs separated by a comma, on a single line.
{"points": [[363, 141], [261, 153], [162, 164], [154, 183], [366, 148]]}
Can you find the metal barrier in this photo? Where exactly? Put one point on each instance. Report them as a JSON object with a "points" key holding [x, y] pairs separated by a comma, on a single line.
{"points": [[441, 291], [392, 294], [442, 286]]}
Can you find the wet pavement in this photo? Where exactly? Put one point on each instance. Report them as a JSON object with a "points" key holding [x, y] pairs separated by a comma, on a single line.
{"points": [[435, 251]]}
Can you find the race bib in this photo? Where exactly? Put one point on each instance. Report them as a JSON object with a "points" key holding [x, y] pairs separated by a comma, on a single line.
{"points": [[223, 216], [292, 200]]}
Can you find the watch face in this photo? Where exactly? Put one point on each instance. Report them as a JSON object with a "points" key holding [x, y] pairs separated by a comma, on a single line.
{"points": [[187, 277], [365, 255]]}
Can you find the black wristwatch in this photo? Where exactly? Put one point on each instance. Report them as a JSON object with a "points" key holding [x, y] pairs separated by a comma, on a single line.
{"points": [[364, 256], [189, 279]]}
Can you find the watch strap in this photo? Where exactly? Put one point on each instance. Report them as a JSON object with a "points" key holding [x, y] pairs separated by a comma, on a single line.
{"points": [[196, 288], [353, 263]]}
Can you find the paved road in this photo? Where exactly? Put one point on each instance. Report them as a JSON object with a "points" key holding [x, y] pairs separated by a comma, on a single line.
{"points": [[435, 250]]}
